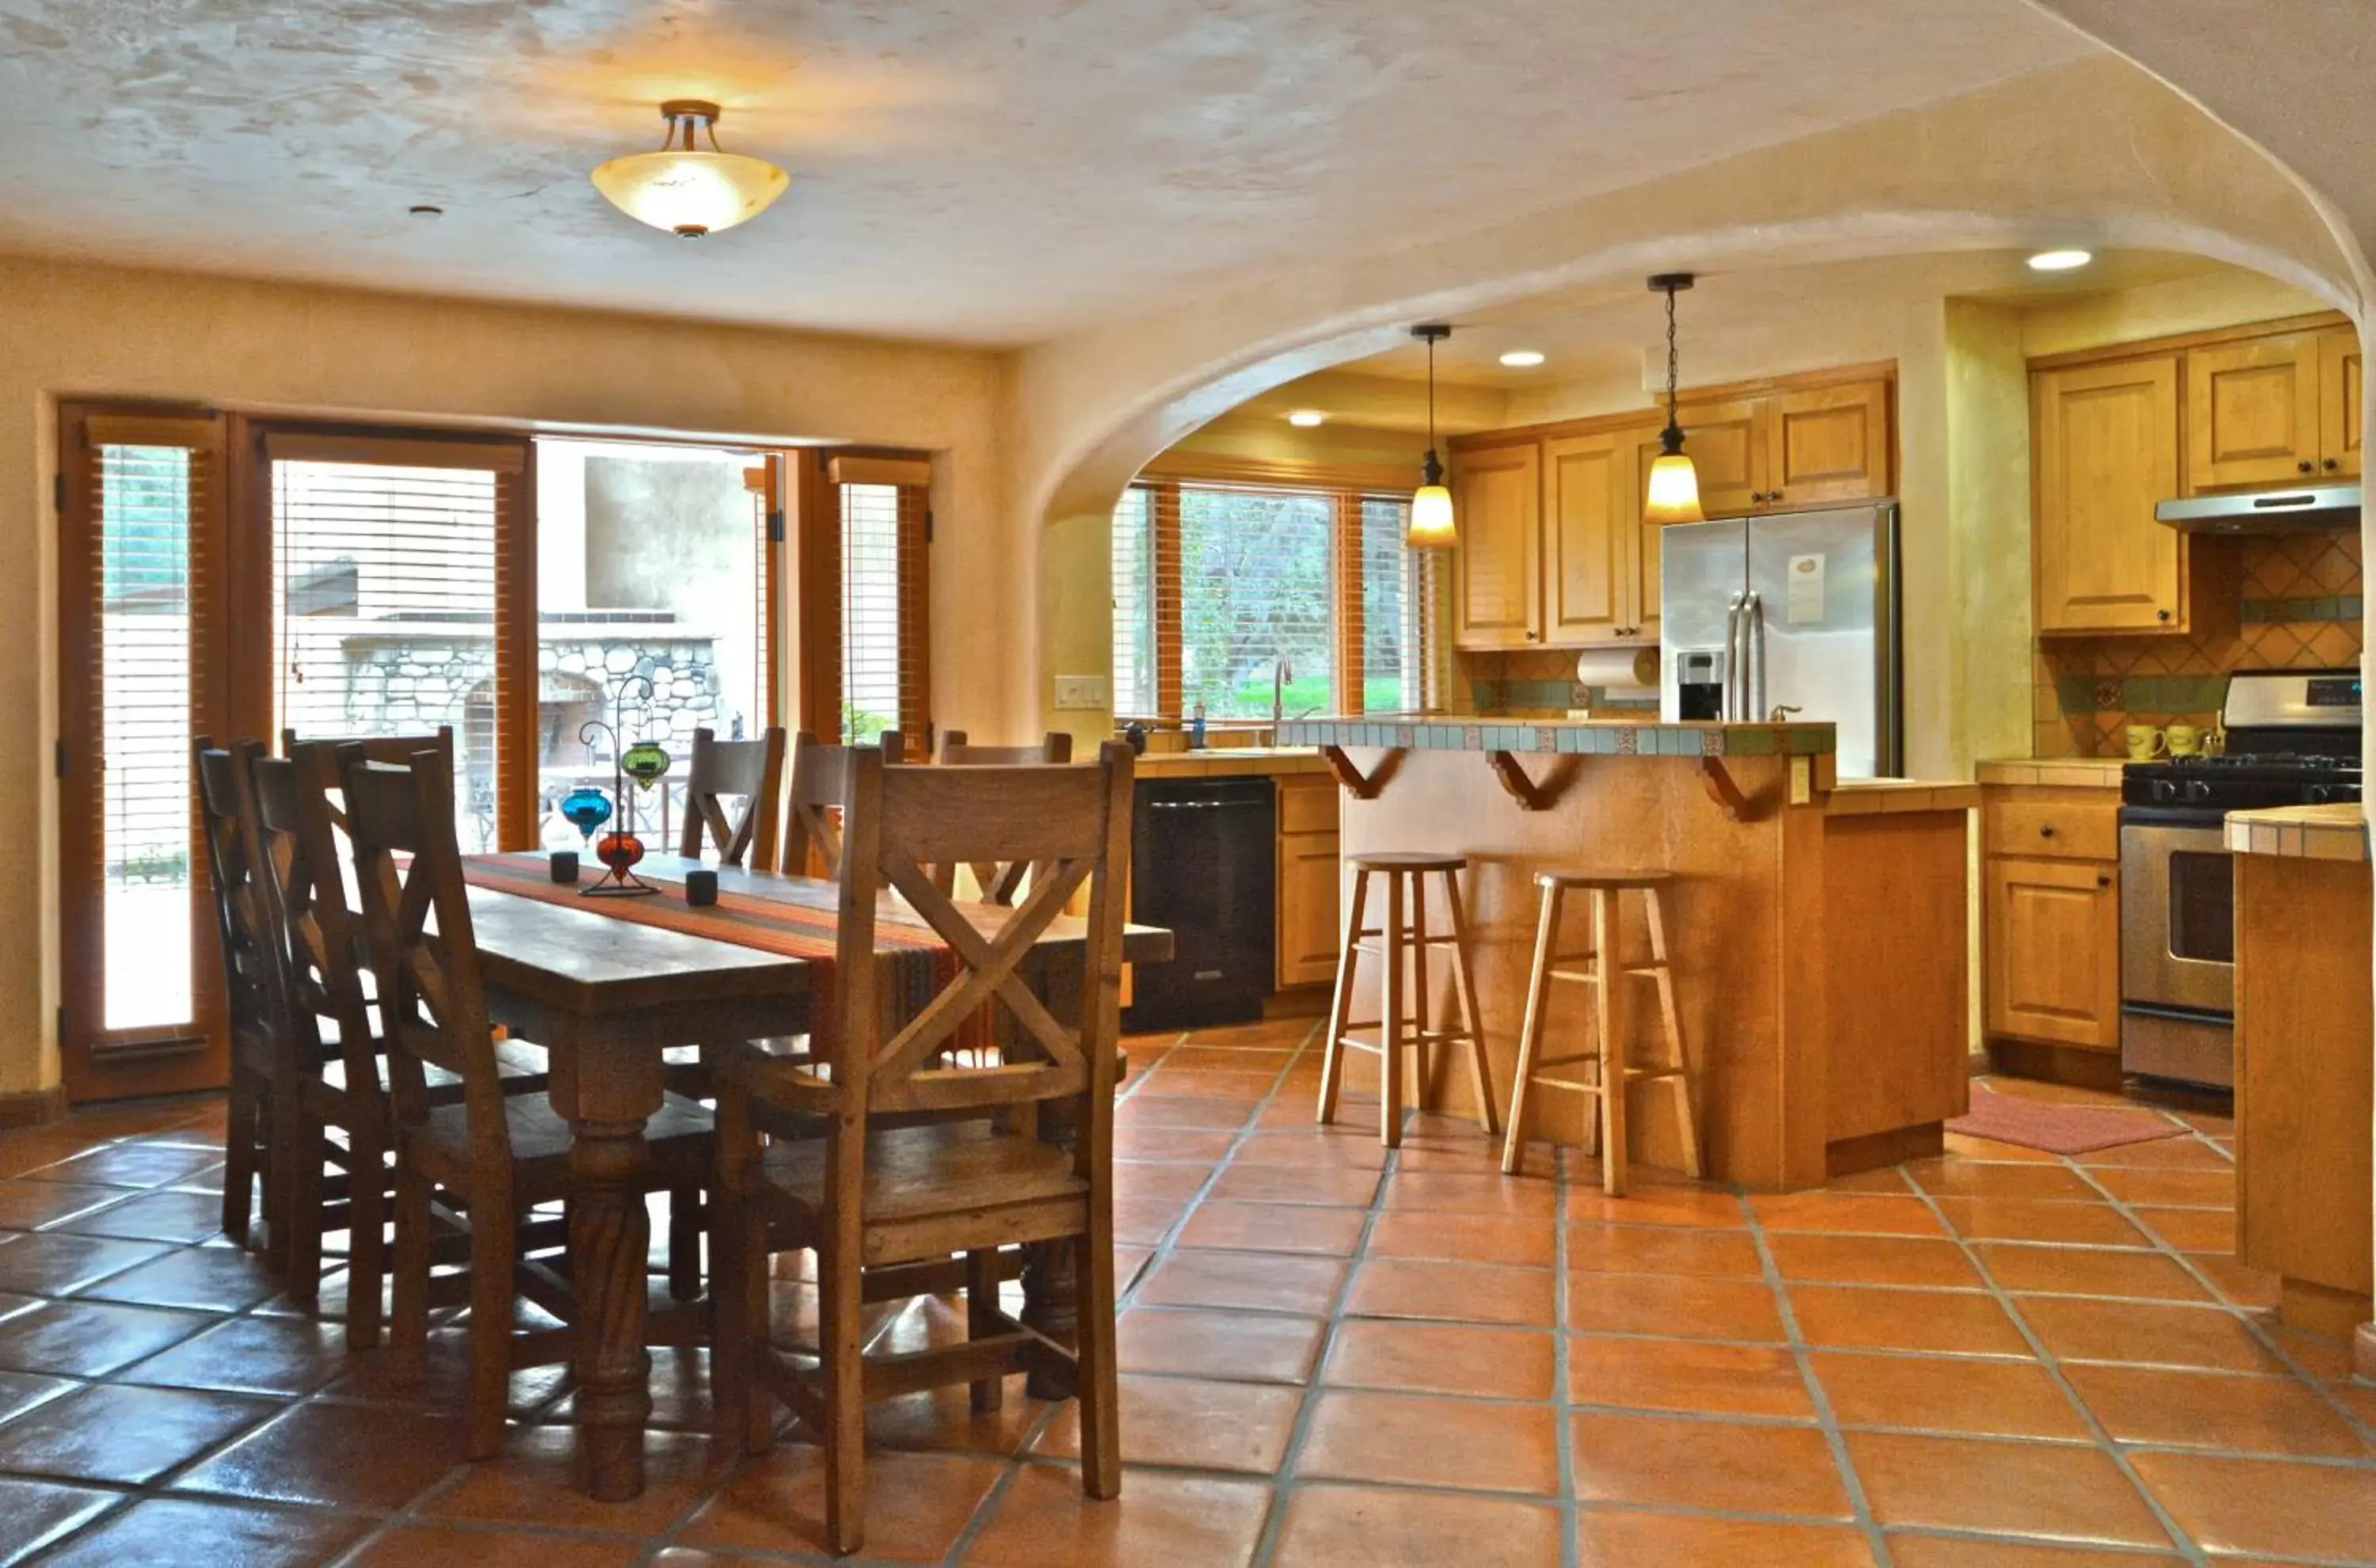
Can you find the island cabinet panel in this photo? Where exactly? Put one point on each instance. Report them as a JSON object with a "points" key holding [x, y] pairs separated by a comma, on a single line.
{"points": [[1306, 918], [1591, 586], [2104, 453], [1826, 445], [2054, 952], [1497, 581], [2251, 412], [2303, 1089], [1895, 943], [2339, 409]]}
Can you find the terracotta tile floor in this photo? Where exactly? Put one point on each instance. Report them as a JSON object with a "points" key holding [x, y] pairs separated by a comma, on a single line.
{"points": [[1331, 1355]]}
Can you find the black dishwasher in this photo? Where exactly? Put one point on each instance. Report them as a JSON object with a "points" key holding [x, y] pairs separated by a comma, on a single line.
{"points": [[1202, 865]]}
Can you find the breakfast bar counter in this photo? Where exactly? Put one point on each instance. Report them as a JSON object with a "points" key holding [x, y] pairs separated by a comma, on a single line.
{"points": [[1818, 931]]}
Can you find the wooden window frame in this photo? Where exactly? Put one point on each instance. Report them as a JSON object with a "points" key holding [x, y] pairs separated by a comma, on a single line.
{"points": [[1345, 495], [812, 573]]}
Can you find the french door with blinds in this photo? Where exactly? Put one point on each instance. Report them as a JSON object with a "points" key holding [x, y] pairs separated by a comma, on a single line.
{"points": [[232, 577], [229, 579]]}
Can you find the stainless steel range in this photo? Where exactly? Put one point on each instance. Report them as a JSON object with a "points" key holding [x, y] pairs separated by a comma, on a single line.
{"points": [[2292, 739]]}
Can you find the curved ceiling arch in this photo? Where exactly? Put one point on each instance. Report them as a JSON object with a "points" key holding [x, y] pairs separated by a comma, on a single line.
{"points": [[2099, 152]]}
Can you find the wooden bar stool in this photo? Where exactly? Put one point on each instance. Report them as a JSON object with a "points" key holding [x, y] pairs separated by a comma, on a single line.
{"points": [[1403, 935], [1611, 1071]]}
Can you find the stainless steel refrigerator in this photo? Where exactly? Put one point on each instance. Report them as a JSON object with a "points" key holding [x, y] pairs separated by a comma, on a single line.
{"points": [[1792, 615]]}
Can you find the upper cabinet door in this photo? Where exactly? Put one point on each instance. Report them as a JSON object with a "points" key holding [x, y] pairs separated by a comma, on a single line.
{"points": [[2339, 411], [2107, 452], [2252, 413], [1727, 446], [1497, 502], [1827, 443], [1589, 584]]}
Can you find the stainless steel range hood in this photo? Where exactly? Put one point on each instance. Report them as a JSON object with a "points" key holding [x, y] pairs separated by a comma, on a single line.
{"points": [[2265, 511]]}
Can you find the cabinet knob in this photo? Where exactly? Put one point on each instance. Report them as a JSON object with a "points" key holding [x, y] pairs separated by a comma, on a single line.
{"points": [[1773, 495], [2303, 467], [2162, 615], [2103, 879], [2331, 465], [2046, 830]]}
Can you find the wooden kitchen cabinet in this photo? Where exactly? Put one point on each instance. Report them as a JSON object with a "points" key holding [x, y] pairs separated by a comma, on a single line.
{"points": [[2054, 951], [2339, 412], [2105, 453], [2252, 412], [1306, 919], [1825, 445], [1554, 552], [1601, 559], [1497, 571]]}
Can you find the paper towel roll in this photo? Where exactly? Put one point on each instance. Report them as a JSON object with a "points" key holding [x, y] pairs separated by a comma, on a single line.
{"points": [[1620, 672]]}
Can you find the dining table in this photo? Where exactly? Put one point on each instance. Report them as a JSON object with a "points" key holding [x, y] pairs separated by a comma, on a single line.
{"points": [[607, 985]]}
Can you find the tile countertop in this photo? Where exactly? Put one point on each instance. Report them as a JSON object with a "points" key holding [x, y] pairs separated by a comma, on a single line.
{"points": [[2310, 833], [1588, 737], [1230, 762], [1876, 797], [2064, 772]]}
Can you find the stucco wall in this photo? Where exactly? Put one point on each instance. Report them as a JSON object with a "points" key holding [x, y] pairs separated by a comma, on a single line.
{"points": [[68, 330]]}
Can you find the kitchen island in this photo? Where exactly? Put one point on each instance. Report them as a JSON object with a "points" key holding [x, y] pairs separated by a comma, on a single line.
{"points": [[1819, 930], [2303, 1082]]}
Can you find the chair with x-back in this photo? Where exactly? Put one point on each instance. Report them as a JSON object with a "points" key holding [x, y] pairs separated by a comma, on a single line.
{"points": [[479, 1165], [250, 978], [751, 769], [877, 1191]]}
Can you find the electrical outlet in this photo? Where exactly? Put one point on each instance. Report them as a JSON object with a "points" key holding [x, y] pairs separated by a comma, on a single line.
{"points": [[1080, 691]]}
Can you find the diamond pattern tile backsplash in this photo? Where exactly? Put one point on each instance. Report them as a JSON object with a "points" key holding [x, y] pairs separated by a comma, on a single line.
{"points": [[2299, 606]]}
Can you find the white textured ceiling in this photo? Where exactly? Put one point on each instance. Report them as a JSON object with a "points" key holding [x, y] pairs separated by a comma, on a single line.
{"points": [[985, 171]]}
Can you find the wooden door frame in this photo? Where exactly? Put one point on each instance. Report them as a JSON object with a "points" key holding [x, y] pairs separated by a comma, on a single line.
{"points": [[95, 1062]]}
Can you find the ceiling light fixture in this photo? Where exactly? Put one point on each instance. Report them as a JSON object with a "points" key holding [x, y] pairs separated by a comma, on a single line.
{"points": [[1306, 418], [2059, 261], [682, 188], [1674, 490], [1523, 359], [1430, 526]]}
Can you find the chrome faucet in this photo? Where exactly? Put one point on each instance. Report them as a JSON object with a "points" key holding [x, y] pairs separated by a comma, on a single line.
{"points": [[1280, 676]]}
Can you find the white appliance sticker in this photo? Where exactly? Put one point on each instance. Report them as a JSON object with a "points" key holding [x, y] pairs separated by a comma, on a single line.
{"points": [[1806, 596]]}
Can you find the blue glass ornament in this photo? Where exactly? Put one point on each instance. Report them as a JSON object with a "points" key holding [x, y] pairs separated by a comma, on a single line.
{"points": [[585, 809]]}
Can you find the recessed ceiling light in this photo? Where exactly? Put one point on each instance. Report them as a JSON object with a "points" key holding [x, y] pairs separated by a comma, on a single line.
{"points": [[1304, 419], [2059, 261], [1523, 359]]}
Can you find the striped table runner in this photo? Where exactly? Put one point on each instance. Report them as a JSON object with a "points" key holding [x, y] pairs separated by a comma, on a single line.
{"points": [[915, 965]]}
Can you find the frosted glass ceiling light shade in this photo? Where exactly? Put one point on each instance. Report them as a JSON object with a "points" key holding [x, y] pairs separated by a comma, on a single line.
{"points": [[1431, 526], [685, 189], [1673, 494]]}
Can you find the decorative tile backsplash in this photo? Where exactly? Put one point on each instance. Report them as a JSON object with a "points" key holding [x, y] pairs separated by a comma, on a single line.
{"points": [[2299, 608]]}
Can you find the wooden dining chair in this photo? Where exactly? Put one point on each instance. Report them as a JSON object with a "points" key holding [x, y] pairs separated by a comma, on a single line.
{"points": [[752, 769], [812, 837], [997, 883], [242, 937], [479, 1165], [336, 1078], [877, 1193]]}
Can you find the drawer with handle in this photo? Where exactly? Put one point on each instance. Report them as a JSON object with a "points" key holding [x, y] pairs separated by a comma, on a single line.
{"points": [[2080, 825]]}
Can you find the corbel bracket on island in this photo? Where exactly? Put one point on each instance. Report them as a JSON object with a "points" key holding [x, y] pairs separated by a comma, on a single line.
{"points": [[1723, 790], [1362, 786], [1531, 796]]}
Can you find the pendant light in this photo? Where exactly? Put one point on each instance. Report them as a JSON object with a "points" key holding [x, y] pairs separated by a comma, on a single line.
{"points": [[1430, 526], [1674, 490], [685, 189]]}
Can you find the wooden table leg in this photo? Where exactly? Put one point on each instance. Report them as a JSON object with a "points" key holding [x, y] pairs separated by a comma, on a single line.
{"points": [[610, 1237]]}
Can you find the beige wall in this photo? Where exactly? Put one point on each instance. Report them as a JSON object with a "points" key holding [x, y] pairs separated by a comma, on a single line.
{"points": [[78, 330]]}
